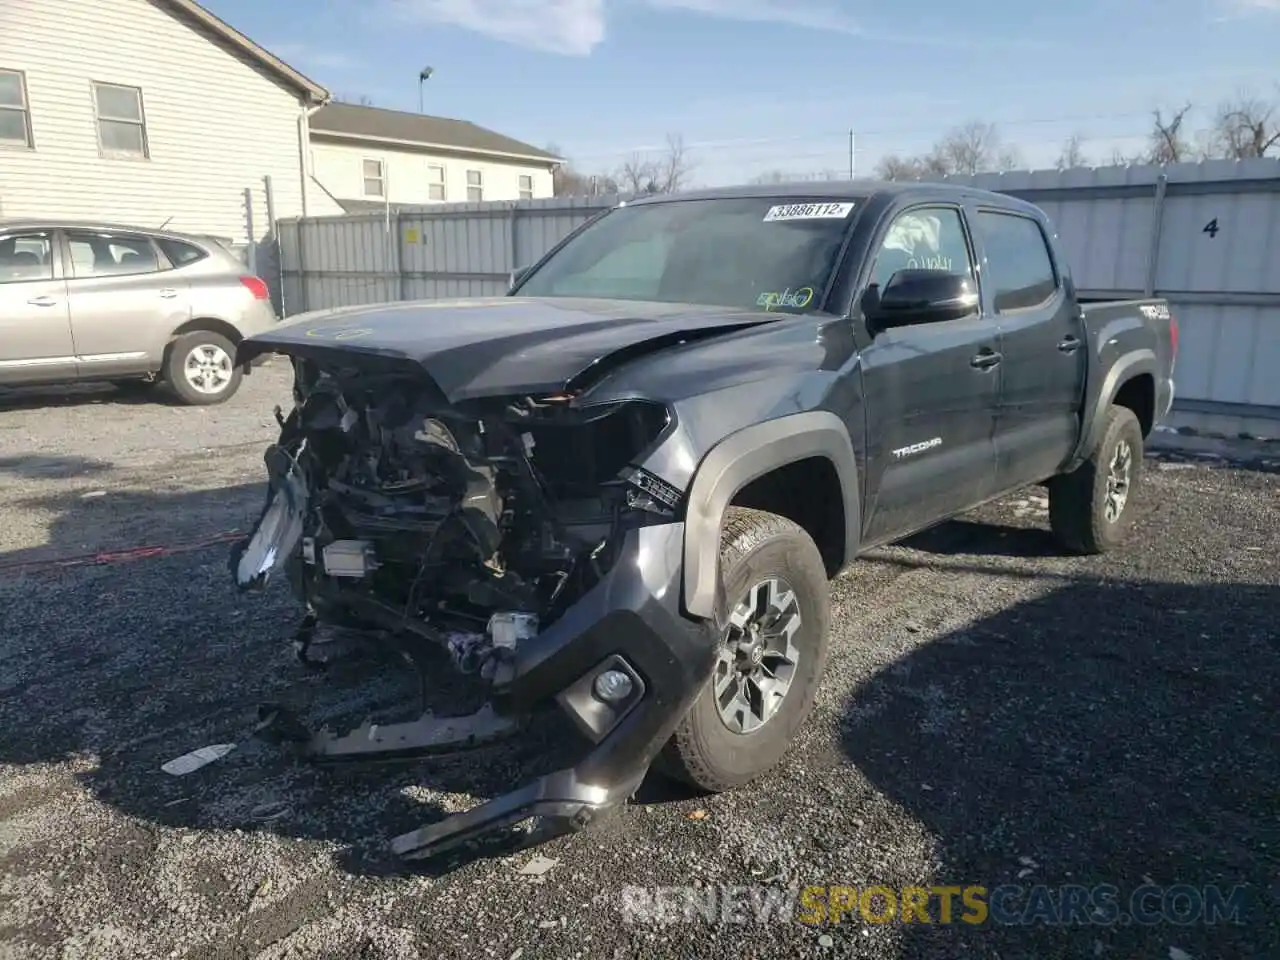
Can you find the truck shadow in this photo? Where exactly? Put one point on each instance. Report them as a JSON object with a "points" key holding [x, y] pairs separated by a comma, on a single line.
{"points": [[53, 467], [1115, 733], [132, 657], [84, 394]]}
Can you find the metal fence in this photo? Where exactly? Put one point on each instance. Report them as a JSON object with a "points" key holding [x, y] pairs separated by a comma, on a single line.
{"points": [[1205, 235], [413, 253]]}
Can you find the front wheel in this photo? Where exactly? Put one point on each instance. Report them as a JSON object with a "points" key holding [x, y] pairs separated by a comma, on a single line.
{"points": [[771, 658], [1090, 507], [201, 369]]}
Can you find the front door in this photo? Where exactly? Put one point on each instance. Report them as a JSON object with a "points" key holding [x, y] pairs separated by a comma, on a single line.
{"points": [[1043, 342], [123, 307], [35, 328], [931, 390]]}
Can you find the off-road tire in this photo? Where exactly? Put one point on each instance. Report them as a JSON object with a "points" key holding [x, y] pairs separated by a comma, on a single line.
{"points": [[703, 752], [175, 361], [1078, 500]]}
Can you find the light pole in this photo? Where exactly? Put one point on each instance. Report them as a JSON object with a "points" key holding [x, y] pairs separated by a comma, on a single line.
{"points": [[423, 76]]}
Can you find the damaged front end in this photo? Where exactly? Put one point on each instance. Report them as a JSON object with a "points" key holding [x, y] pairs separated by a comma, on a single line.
{"points": [[517, 535]]}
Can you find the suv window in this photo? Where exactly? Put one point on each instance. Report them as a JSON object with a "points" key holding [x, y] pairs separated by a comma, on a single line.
{"points": [[923, 238], [25, 256], [1019, 270], [179, 253], [109, 255]]}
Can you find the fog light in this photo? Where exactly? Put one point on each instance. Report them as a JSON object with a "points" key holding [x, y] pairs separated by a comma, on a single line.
{"points": [[613, 686]]}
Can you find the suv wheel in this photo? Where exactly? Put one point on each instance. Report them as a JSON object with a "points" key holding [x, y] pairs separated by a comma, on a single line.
{"points": [[201, 368], [1089, 508], [771, 657]]}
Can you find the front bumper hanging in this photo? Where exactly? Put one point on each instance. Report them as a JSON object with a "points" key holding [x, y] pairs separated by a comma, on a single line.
{"points": [[628, 626]]}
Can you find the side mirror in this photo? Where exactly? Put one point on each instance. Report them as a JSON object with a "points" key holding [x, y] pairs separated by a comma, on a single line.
{"points": [[921, 296], [517, 275]]}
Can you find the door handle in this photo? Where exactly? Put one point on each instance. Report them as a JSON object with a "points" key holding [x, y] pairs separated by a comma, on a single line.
{"points": [[45, 301], [1069, 345], [985, 360], [168, 293]]}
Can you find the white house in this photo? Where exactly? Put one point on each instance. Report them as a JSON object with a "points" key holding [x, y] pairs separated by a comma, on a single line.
{"points": [[150, 112], [367, 158], [156, 112]]}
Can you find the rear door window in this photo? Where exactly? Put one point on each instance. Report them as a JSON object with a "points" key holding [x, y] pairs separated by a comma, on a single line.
{"points": [[1019, 269], [110, 255]]}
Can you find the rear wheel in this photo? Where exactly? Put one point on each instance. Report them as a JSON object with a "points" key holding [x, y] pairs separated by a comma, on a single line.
{"points": [[201, 369], [1090, 509], [771, 658]]}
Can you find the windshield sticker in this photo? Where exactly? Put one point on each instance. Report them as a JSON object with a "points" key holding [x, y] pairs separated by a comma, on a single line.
{"points": [[808, 211], [788, 298]]}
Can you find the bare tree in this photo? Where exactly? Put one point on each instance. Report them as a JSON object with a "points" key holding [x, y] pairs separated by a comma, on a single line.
{"points": [[896, 167], [666, 173], [1245, 128], [785, 176], [1168, 141], [1072, 154], [973, 148], [359, 99], [568, 181]]}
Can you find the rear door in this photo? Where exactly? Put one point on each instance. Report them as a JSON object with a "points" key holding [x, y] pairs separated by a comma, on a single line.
{"points": [[35, 327], [1043, 342], [125, 301], [931, 390]]}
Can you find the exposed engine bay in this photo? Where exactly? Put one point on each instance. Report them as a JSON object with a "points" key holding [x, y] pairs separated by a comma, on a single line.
{"points": [[472, 526]]}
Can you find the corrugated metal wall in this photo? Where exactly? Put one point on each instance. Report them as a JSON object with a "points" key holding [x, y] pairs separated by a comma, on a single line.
{"points": [[412, 253], [1205, 235]]}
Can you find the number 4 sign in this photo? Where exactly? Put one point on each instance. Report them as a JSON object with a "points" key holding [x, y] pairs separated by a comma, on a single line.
{"points": [[1211, 228]]}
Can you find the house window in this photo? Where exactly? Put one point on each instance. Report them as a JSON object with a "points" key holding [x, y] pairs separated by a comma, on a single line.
{"points": [[15, 114], [375, 180], [475, 185], [122, 126], [526, 186], [435, 183]]}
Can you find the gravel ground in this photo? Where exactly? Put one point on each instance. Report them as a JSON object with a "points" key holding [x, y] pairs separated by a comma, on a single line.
{"points": [[993, 713]]}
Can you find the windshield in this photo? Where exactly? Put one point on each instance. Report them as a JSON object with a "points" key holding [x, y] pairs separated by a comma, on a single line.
{"points": [[756, 253]]}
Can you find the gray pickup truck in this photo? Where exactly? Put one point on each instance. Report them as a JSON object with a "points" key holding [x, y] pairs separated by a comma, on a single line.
{"points": [[618, 493]]}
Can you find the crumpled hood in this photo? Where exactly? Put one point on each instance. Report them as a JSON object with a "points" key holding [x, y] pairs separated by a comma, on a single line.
{"points": [[501, 346]]}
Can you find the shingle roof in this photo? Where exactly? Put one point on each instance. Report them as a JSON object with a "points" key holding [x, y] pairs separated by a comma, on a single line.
{"points": [[350, 120]]}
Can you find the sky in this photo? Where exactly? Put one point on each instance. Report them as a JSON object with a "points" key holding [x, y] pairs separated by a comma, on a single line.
{"points": [[754, 86]]}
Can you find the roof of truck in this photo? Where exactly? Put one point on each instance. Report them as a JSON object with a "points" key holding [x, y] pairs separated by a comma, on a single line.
{"points": [[849, 190]]}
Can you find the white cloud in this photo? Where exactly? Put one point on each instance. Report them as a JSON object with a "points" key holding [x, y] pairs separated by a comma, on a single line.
{"points": [[576, 27], [804, 13], [569, 27]]}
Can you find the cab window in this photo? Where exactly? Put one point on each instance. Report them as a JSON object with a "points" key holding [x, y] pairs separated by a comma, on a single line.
{"points": [[923, 238]]}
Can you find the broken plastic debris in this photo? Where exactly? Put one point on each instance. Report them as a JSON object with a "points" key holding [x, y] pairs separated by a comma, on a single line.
{"points": [[538, 866], [190, 762], [267, 812]]}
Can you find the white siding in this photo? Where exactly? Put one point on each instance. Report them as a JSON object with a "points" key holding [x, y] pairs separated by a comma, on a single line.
{"points": [[216, 125], [338, 166]]}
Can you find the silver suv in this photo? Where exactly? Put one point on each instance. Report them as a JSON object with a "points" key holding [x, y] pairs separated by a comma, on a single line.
{"points": [[88, 301]]}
